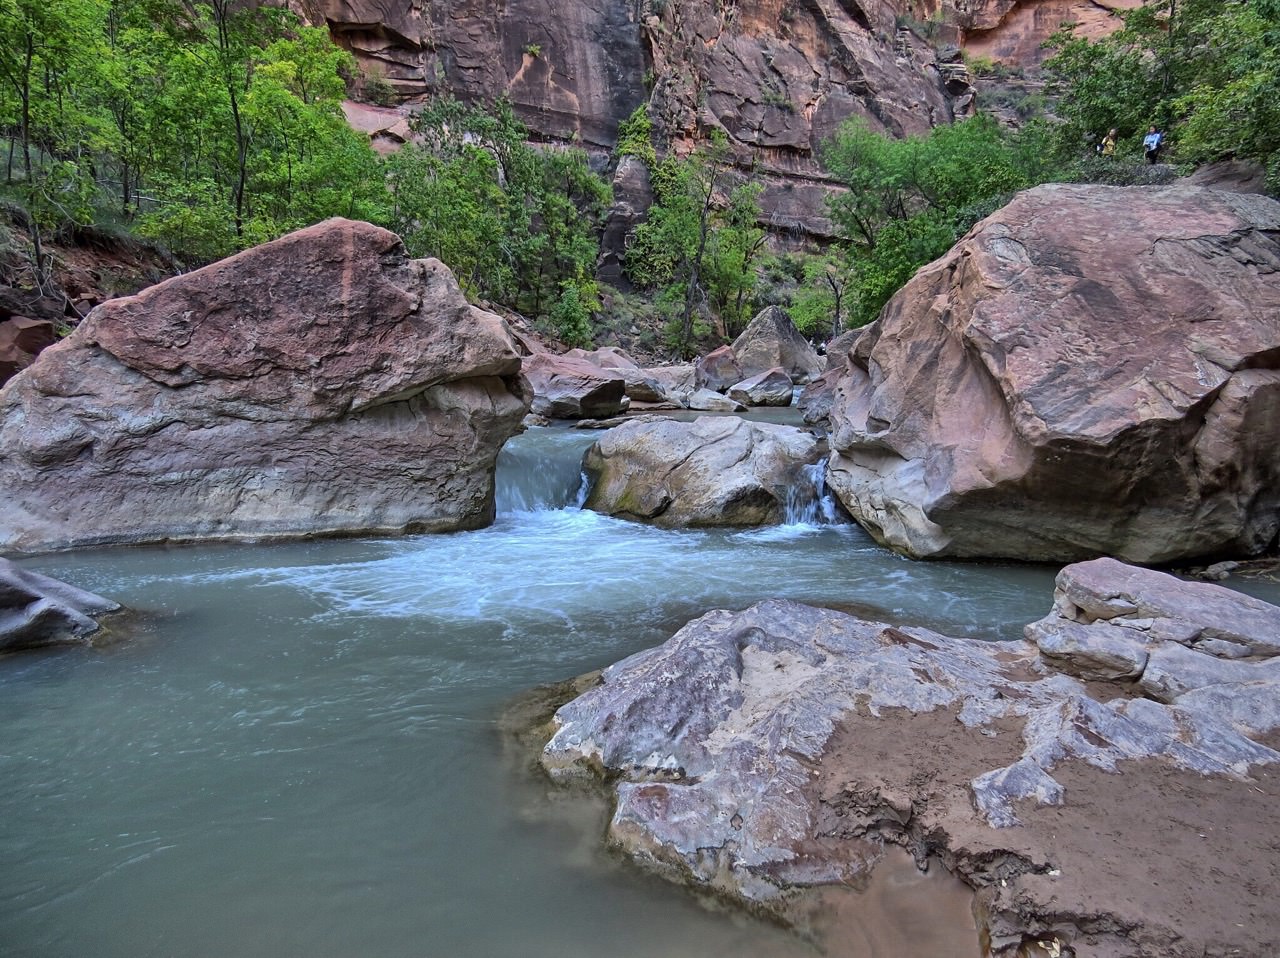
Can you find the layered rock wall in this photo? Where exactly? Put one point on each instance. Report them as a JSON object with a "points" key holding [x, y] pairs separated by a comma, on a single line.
{"points": [[1013, 31], [777, 77]]}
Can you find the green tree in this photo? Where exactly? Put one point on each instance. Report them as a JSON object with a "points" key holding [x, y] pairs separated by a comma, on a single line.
{"points": [[907, 201], [1205, 71], [819, 307], [516, 222], [696, 246]]}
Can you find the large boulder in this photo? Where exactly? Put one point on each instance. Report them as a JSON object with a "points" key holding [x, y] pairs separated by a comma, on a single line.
{"points": [[819, 396], [1112, 620], [1090, 371], [676, 382], [37, 610], [323, 383], [770, 388], [706, 400], [639, 384], [761, 752], [772, 340], [713, 471], [566, 387]]}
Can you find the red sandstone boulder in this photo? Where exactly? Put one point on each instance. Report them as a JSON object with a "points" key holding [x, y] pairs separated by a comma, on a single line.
{"points": [[565, 387], [323, 383], [1091, 371], [717, 370]]}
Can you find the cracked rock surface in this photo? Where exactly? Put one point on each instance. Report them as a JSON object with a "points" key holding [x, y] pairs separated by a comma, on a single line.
{"points": [[777, 748], [1090, 371], [322, 383], [713, 471]]}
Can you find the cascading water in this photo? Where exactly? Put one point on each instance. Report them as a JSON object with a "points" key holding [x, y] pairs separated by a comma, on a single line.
{"points": [[298, 754], [809, 502], [541, 471]]}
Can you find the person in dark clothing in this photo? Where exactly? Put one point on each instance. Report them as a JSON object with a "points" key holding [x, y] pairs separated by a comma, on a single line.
{"points": [[1151, 145]]}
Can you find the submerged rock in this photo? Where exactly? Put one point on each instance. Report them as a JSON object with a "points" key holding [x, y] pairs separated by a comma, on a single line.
{"points": [[323, 383], [714, 471], [37, 610], [777, 748], [1091, 371]]}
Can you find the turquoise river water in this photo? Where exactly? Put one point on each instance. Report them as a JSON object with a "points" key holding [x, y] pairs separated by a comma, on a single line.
{"points": [[298, 755]]}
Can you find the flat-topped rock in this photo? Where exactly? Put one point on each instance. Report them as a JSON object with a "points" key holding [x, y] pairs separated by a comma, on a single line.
{"points": [[766, 751], [324, 383], [772, 387]]}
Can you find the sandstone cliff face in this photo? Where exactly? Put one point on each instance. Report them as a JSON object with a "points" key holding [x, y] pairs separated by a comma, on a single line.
{"points": [[1091, 371], [323, 383], [1012, 31], [777, 77]]}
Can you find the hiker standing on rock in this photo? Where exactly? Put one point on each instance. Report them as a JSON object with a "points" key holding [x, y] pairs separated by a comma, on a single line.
{"points": [[1151, 145], [1109, 143]]}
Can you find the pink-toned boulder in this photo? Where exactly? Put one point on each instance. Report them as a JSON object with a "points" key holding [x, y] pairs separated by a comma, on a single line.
{"points": [[717, 370], [640, 384], [324, 383], [569, 388], [1091, 371], [817, 398]]}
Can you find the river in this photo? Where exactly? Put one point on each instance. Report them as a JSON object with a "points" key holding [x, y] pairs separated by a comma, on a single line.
{"points": [[297, 755]]}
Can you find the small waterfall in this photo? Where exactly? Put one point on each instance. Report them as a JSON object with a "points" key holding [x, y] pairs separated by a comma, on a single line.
{"points": [[541, 470], [809, 502]]}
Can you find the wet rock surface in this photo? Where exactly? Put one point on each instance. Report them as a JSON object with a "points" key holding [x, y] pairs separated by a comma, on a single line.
{"points": [[37, 610], [713, 471], [1090, 371], [781, 747], [323, 383]]}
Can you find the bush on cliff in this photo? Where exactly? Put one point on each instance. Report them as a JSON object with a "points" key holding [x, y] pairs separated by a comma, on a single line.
{"points": [[515, 222]]}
